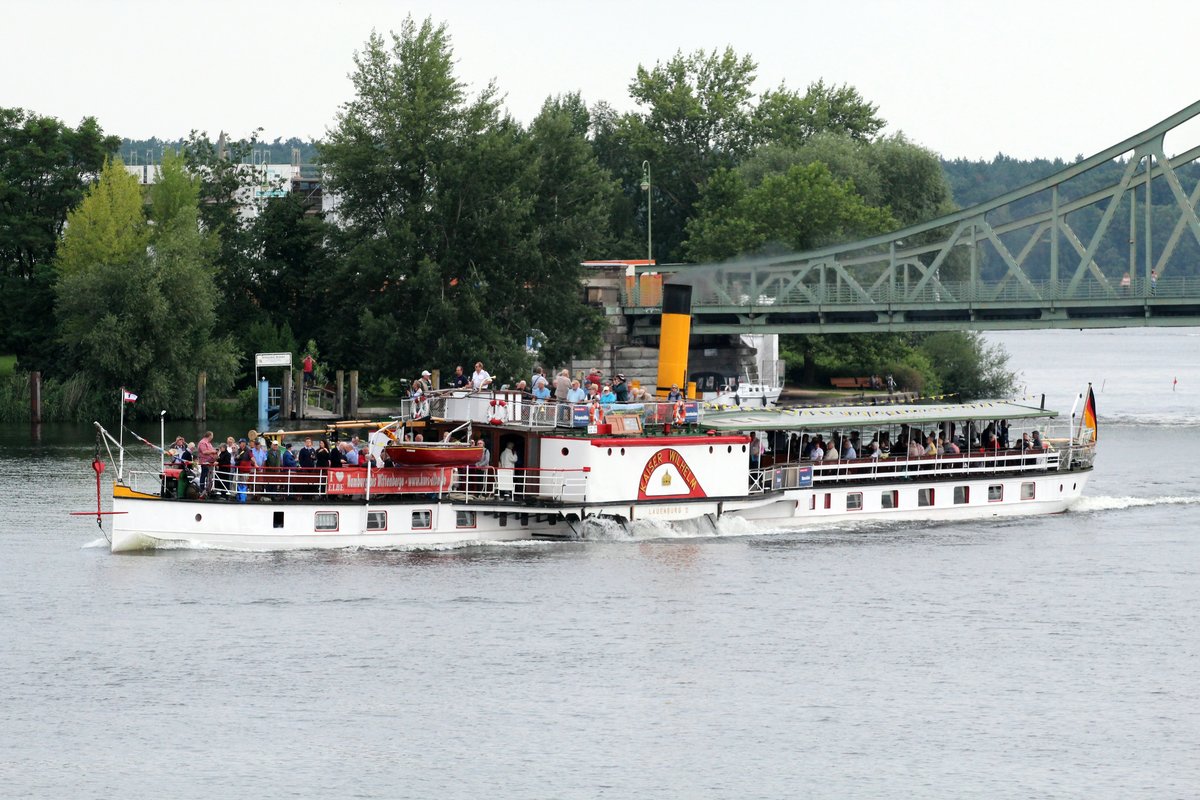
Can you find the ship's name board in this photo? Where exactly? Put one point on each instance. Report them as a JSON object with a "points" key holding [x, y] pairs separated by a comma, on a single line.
{"points": [[423, 480]]}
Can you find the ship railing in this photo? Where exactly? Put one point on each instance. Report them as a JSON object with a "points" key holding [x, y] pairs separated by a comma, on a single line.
{"points": [[488, 484], [790, 475], [231, 483], [971, 463], [469, 483], [510, 407]]}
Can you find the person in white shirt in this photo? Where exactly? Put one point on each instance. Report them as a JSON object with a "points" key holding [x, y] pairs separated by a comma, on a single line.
{"points": [[480, 379]]}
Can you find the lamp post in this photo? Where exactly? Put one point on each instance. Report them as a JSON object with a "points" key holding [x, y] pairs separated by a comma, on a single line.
{"points": [[649, 210]]}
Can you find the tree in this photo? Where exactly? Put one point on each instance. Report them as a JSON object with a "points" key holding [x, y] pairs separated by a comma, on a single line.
{"points": [[45, 167], [802, 208], [968, 366], [138, 309], [783, 117], [445, 253], [696, 119]]}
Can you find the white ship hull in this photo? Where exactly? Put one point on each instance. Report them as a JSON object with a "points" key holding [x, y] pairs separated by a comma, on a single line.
{"points": [[148, 522]]}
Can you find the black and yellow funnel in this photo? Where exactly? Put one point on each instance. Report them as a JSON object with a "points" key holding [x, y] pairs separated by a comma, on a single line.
{"points": [[674, 336]]}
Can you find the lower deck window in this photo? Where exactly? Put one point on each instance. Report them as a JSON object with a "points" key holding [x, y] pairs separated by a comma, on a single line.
{"points": [[962, 494], [925, 497], [465, 519], [377, 520], [326, 521], [854, 501], [422, 520], [277, 519], [1028, 490], [995, 493], [889, 499], [828, 500]]}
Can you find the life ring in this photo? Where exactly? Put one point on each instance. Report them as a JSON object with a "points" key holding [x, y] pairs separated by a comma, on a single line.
{"points": [[499, 403], [596, 414], [680, 413], [495, 421]]}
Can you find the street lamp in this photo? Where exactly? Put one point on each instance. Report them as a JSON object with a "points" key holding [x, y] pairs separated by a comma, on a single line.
{"points": [[649, 210]]}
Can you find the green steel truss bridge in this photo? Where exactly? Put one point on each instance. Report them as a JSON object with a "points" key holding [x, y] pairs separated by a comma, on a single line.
{"points": [[1082, 248]]}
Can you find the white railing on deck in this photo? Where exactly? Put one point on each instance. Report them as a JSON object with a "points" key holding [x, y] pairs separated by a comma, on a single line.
{"points": [[469, 484], [924, 467], [514, 408]]}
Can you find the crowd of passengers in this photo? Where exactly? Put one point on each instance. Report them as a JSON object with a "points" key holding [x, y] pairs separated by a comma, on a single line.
{"points": [[200, 463], [909, 443], [540, 388]]}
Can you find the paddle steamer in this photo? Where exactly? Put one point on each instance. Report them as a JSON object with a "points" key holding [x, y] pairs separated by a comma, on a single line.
{"points": [[670, 462]]}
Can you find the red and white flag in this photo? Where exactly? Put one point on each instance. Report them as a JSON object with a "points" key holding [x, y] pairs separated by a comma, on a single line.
{"points": [[128, 397]]}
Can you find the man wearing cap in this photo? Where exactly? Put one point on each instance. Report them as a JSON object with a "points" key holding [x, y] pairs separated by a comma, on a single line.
{"points": [[423, 383], [274, 459], [260, 452], [621, 389]]}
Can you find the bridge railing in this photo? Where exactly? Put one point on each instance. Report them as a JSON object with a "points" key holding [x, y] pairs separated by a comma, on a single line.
{"points": [[775, 292]]}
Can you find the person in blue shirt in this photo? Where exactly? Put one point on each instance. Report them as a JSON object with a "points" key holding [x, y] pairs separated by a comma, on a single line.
{"points": [[606, 396], [541, 391], [576, 394], [260, 452], [288, 460]]}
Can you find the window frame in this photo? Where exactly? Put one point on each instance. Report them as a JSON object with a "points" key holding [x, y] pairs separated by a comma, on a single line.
{"points": [[337, 521], [998, 490], [373, 513], [428, 526], [1032, 487], [458, 519], [859, 497], [963, 492], [926, 500]]}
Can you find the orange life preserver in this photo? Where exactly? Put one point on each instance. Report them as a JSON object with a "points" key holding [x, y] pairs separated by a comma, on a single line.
{"points": [[596, 414], [680, 412]]}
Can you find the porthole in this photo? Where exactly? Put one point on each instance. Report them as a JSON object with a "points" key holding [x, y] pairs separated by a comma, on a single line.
{"points": [[743, 448], [565, 451], [1074, 486], [1060, 487], [729, 449], [622, 451], [197, 518], [710, 448], [610, 451]]}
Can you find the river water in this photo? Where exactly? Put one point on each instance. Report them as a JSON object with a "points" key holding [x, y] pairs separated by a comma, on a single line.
{"points": [[1051, 657]]}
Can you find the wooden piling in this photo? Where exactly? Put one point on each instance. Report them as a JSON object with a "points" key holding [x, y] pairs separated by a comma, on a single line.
{"points": [[35, 397], [285, 396], [339, 407], [300, 398], [353, 394], [202, 396]]}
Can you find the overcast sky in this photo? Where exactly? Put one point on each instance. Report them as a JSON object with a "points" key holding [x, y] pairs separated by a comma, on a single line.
{"points": [[966, 79]]}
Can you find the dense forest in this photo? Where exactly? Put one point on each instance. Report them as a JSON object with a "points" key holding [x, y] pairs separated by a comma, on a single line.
{"points": [[459, 232]]}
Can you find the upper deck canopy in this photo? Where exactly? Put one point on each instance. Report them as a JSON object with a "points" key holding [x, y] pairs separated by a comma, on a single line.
{"points": [[838, 417]]}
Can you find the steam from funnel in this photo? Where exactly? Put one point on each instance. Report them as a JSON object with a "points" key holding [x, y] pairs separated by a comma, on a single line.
{"points": [[674, 334]]}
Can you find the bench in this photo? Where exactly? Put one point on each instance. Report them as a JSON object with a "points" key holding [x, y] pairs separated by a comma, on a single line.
{"points": [[851, 383]]}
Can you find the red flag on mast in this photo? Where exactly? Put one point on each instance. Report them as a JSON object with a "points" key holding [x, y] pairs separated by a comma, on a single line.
{"points": [[128, 397]]}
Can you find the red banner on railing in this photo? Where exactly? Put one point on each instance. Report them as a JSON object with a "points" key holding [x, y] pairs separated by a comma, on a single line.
{"points": [[403, 480]]}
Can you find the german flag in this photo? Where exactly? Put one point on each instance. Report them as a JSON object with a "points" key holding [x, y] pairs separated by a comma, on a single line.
{"points": [[1089, 417]]}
